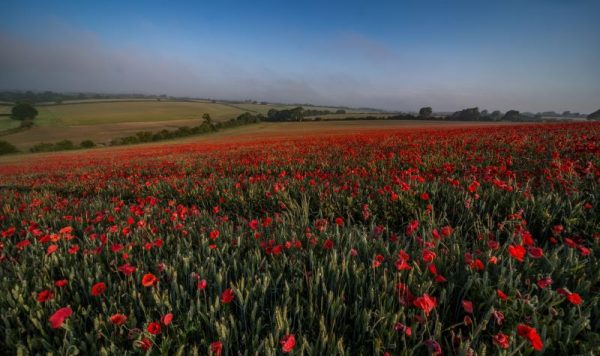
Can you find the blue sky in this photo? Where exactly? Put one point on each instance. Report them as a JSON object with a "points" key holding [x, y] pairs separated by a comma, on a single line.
{"points": [[399, 55]]}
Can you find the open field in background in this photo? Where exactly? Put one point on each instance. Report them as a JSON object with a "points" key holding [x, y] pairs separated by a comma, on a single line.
{"points": [[8, 123], [104, 120], [125, 112]]}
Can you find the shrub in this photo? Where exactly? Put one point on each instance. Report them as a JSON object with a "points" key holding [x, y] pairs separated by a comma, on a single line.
{"points": [[87, 144], [7, 147]]}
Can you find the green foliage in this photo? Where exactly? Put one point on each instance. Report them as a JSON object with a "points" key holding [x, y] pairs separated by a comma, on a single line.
{"points": [[295, 114], [595, 115], [87, 144], [63, 145], [23, 111], [425, 112], [7, 147], [471, 114]]}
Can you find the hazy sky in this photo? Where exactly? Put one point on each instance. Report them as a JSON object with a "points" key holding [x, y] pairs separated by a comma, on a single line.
{"points": [[529, 55]]}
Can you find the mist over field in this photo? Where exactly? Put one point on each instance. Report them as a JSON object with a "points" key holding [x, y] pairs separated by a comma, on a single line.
{"points": [[391, 57]]}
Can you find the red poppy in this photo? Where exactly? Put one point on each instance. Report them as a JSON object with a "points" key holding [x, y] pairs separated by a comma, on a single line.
{"points": [[227, 296], [61, 283], [127, 269], [144, 344], [434, 347], [502, 340], [401, 265], [328, 244], [574, 298], [531, 335], [535, 252], [467, 306], [426, 303], [499, 316], [287, 343], [202, 284], [517, 252], [154, 328], [216, 347], [428, 256], [501, 294], [57, 319], [167, 319], [98, 289], [214, 234], [51, 249], [118, 319], [339, 221], [447, 231], [149, 280], [544, 282], [45, 296], [403, 328]]}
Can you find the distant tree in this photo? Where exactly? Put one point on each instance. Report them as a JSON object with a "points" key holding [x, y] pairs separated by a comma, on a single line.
{"points": [[512, 115], [23, 111], [496, 115], [340, 111], [594, 116], [471, 114], [425, 112], [566, 113], [207, 119]]}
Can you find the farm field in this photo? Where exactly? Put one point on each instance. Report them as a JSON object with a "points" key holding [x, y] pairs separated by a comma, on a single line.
{"points": [[104, 120], [308, 238]]}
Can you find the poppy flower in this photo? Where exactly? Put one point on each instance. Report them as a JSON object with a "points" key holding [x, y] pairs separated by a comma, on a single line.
{"points": [[574, 298], [127, 269], [51, 249], [144, 344], [153, 328], [214, 234], [216, 347], [167, 319], [202, 284], [98, 289], [501, 294], [425, 303], [58, 318], [118, 319], [61, 283], [531, 335], [149, 280], [227, 296], [517, 252], [45, 296], [434, 347], [467, 306], [287, 343], [544, 282], [403, 328], [535, 252], [502, 340], [428, 256]]}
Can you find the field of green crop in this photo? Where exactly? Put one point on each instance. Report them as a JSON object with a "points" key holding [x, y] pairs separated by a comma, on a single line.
{"points": [[455, 240]]}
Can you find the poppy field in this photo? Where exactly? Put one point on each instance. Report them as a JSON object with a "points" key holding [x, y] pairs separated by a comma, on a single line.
{"points": [[468, 240]]}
